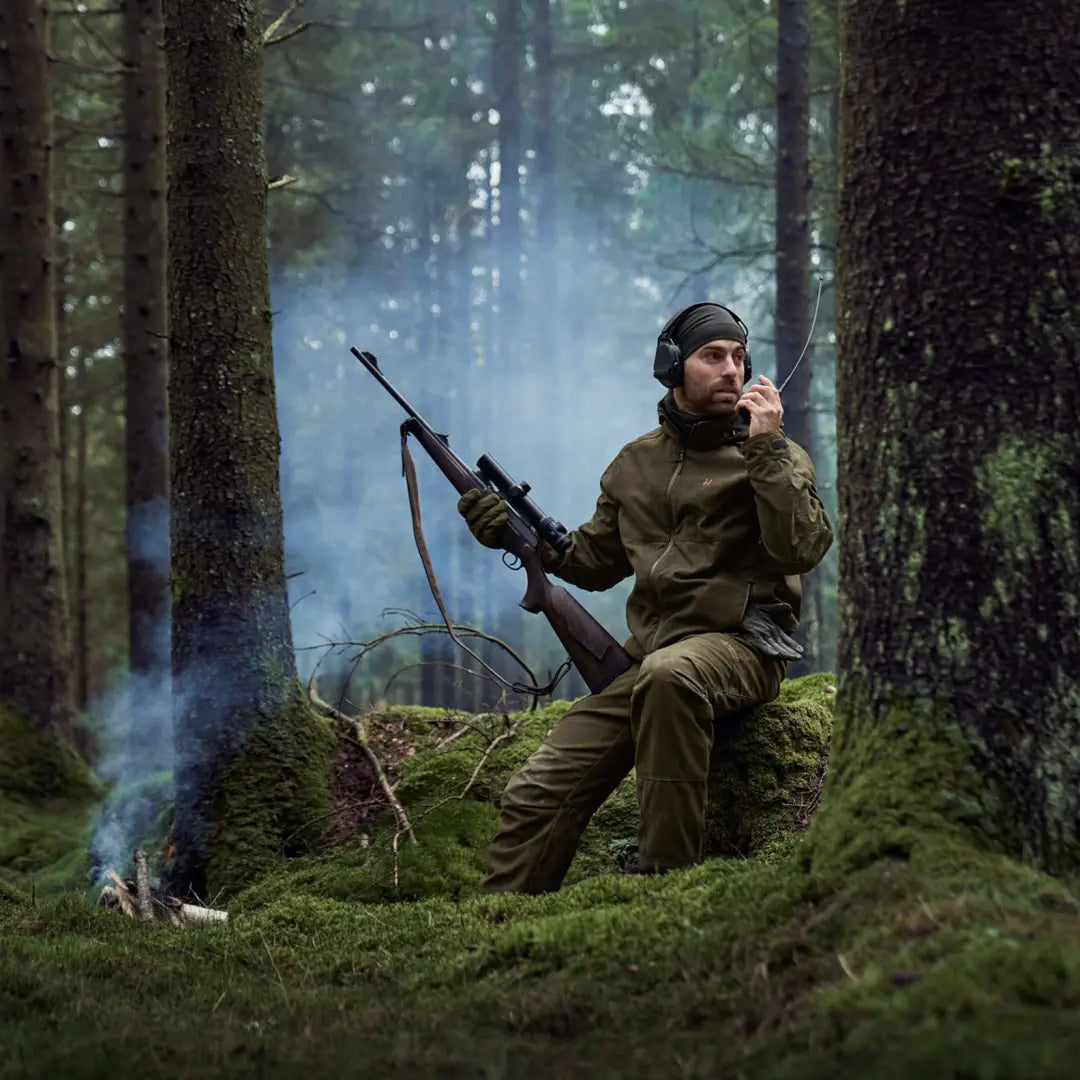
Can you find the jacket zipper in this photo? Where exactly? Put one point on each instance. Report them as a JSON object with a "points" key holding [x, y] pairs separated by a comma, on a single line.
{"points": [[671, 538]]}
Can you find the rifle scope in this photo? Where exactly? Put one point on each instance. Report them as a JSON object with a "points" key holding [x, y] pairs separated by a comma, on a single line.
{"points": [[517, 495]]}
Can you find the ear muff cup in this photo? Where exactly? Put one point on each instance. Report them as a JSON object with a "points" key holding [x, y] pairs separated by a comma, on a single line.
{"points": [[668, 360]]}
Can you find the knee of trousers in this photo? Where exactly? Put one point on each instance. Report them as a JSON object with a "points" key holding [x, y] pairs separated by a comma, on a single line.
{"points": [[672, 675], [535, 790]]}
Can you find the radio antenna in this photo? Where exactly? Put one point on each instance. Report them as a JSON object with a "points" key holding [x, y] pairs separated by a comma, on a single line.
{"points": [[809, 338]]}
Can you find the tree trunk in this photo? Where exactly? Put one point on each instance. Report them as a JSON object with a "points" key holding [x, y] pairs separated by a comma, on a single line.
{"points": [[959, 452], [80, 544], [35, 660], [506, 84], [252, 767], [145, 353], [792, 318]]}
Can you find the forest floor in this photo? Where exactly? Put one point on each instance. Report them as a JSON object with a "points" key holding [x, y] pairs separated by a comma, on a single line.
{"points": [[944, 961]]}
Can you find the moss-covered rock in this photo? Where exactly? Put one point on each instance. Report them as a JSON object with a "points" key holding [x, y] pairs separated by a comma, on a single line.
{"points": [[768, 765], [768, 761]]}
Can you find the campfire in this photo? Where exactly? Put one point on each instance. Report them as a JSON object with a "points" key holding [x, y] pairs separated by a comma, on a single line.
{"points": [[143, 898]]}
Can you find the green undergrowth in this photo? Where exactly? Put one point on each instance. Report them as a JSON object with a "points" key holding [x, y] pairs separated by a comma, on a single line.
{"points": [[887, 942], [47, 796], [954, 963]]}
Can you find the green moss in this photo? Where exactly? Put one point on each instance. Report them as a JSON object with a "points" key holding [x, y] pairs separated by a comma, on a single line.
{"points": [[893, 940], [1020, 484], [767, 769], [35, 765], [959, 964], [10, 897], [47, 796], [271, 800]]}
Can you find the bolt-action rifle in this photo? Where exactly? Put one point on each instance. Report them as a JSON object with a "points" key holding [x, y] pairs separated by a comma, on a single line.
{"points": [[594, 652]]}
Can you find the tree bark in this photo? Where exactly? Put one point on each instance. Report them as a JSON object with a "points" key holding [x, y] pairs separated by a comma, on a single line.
{"points": [[144, 343], [252, 766], [80, 544], [34, 653], [959, 452], [792, 318]]}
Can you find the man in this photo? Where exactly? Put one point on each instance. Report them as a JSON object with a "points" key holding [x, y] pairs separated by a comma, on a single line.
{"points": [[715, 513]]}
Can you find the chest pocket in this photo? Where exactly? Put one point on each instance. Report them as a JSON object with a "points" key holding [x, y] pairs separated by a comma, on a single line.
{"points": [[713, 500]]}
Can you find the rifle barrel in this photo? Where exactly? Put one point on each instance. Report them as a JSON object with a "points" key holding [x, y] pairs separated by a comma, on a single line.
{"points": [[371, 362]]}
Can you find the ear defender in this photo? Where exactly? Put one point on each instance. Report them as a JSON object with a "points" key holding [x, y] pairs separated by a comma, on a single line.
{"points": [[668, 360]]}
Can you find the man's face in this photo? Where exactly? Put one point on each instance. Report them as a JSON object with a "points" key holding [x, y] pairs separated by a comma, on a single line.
{"points": [[712, 379]]}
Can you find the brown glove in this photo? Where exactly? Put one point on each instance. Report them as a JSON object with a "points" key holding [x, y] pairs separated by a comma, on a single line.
{"points": [[485, 512]]}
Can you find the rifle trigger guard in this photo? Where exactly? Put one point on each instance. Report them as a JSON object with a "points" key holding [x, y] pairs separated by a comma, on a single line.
{"points": [[511, 561]]}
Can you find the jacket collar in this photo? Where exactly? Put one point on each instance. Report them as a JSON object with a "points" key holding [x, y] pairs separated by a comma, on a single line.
{"points": [[700, 432]]}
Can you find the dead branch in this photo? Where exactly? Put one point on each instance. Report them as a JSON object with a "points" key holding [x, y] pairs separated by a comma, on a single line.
{"points": [[281, 182], [435, 663], [359, 736], [143, 899], [193, 914], [271, 35], [465, 726], [288, 34], [417, 629], [118, 895]]}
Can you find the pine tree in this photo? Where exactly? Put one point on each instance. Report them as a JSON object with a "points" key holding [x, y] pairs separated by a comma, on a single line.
{"points": [[34, 650], [144, 333], [251, 773]]}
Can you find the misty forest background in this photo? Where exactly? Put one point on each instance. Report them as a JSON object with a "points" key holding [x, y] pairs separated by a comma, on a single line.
{"points": [[502, 201]]}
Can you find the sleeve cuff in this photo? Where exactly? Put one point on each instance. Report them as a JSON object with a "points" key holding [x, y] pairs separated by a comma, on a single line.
{"points": [[769, 444]]}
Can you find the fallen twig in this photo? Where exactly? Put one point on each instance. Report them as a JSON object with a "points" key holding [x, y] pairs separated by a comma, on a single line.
{"points": [[360, 738]]}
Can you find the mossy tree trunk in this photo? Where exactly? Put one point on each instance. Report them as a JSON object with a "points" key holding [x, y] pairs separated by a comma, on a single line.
{"points": [[959, 451], [792, 317], [252, 766], [35, 661], [145, 353]]}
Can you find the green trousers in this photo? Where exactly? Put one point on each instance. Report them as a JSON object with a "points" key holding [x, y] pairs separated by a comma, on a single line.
{"points": [[658, 718]]}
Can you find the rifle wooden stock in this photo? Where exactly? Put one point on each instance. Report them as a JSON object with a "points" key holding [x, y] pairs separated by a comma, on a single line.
{"points": [[594, 652]]}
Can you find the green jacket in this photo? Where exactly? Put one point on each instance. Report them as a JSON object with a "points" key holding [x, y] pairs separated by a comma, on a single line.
{"points": [[706, 520]]}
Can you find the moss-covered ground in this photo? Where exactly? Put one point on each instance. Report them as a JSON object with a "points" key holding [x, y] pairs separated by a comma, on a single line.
{"points": [[47, 800], [936, 958]]}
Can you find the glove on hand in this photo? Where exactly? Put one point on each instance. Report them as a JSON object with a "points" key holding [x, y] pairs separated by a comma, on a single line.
{"points": [[768, 638], [485, 513]]}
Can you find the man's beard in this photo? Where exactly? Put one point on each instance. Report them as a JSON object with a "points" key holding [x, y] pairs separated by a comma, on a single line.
{"points": [[705, 404]]}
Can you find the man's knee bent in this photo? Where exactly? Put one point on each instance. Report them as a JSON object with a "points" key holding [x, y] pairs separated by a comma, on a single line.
{"points": [[671, 671]]}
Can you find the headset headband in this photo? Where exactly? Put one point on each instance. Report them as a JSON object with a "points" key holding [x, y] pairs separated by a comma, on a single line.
{"points": [[665, 333]]}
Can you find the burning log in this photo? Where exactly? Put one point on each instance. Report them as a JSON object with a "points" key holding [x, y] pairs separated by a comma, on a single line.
{"points": [[144, 898]]}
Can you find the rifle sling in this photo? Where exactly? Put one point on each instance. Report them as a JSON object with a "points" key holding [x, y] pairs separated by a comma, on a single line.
{"points": [[409, 471]]}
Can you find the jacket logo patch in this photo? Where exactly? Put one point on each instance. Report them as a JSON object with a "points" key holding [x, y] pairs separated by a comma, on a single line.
{"points": [[707, 481]]}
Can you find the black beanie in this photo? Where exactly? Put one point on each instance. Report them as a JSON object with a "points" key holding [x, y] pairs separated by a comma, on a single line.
{"points": [[711, 323]]}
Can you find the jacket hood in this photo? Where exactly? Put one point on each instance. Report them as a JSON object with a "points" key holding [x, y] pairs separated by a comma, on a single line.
{"points": [[700, 432]]}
